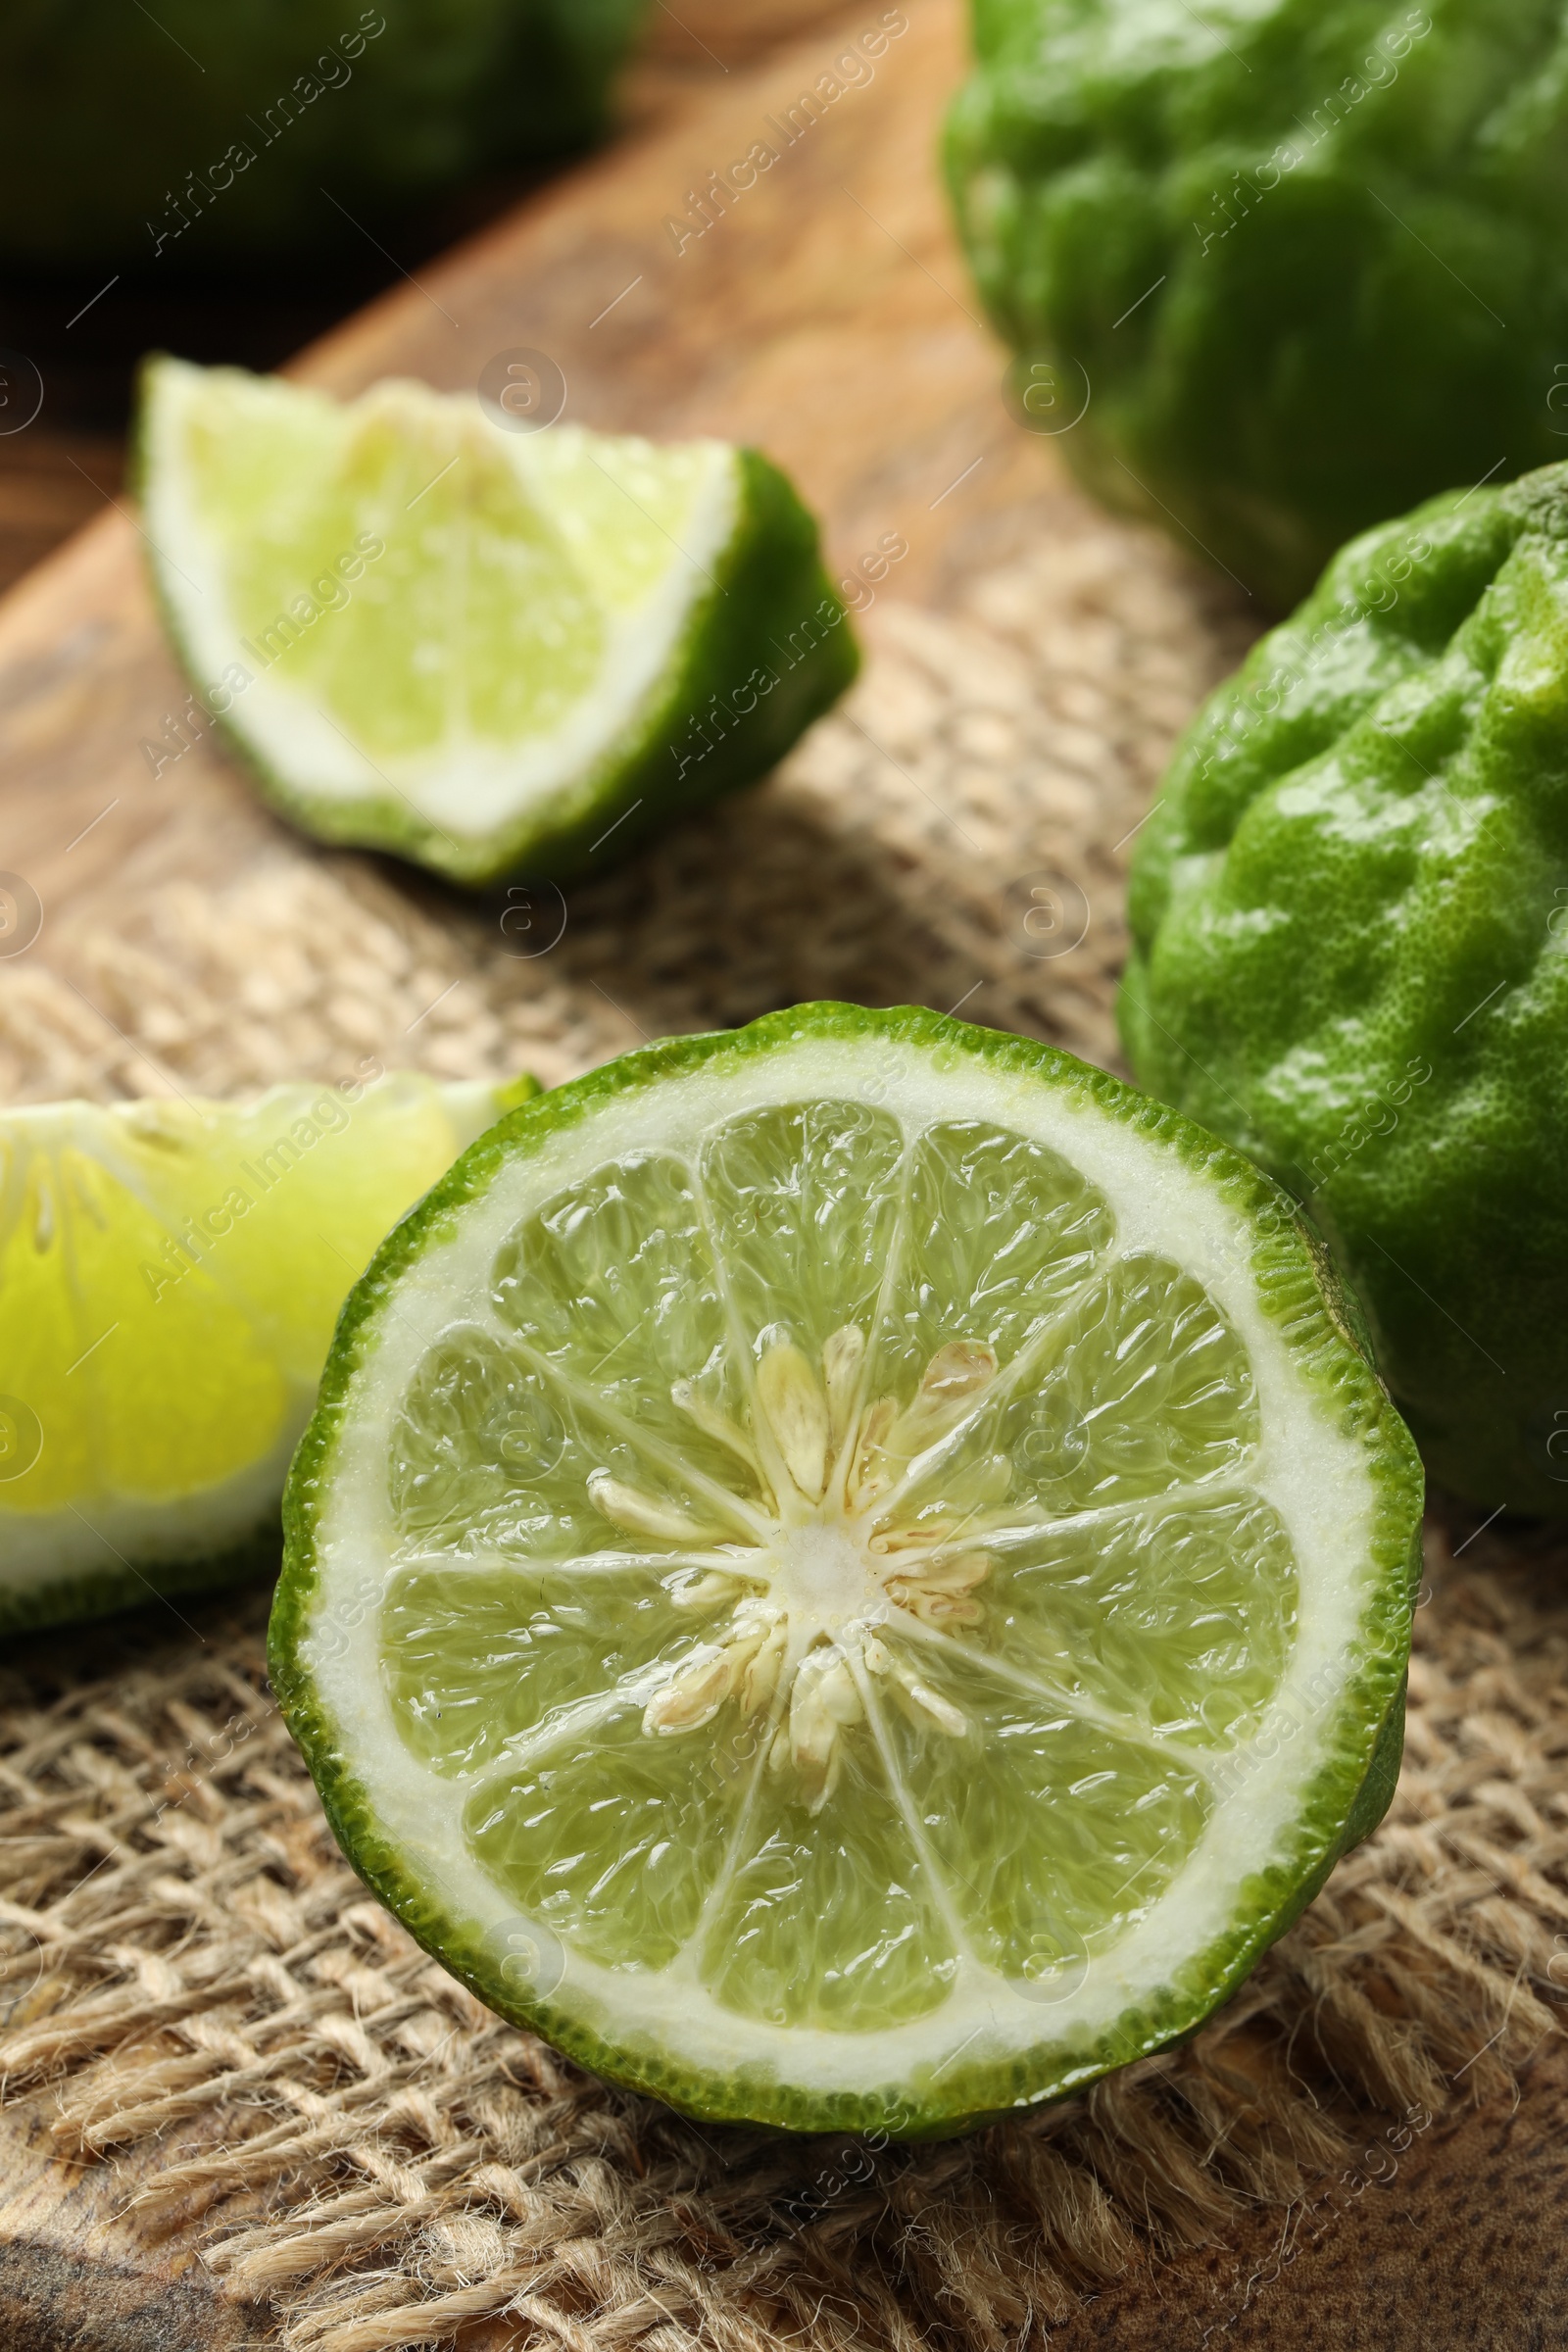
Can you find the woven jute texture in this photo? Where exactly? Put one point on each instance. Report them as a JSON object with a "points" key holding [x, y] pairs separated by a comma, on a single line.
{"points": [[357, 2141]]}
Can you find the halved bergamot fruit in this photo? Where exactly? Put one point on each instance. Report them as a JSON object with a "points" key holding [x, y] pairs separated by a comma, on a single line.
{"points": [[170, 1275], [850, 1573], [493, 652]]}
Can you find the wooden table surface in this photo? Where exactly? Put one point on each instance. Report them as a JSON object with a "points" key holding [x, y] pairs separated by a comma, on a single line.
{"points": [[66, 468], [826, 317]]}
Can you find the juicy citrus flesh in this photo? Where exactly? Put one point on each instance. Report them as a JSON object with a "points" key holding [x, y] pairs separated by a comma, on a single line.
{"points": [[171, 1273], [421, 605], [806, 1589]]}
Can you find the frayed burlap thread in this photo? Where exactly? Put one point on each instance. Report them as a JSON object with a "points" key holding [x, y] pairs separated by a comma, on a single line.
{"points": [[955, 833], [357, 2144], [369, 2151]]}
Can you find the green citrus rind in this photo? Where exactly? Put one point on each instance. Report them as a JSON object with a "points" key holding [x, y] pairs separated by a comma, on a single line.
{"points": [[106, 1591], [769, 607], [1343, 1800], [1345, 916], [1273, 250]]}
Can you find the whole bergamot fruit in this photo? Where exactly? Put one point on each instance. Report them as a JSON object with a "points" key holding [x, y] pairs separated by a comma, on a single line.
{"points": [[1302, 257], [184, 134], [1350, 913]]}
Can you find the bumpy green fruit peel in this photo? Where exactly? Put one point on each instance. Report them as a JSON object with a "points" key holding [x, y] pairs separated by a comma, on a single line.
{"points": [[1349, 916], [1308, 253]]}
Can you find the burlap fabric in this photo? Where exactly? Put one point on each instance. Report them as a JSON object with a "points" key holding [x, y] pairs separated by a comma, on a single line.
{"points": [[358, 2141]]}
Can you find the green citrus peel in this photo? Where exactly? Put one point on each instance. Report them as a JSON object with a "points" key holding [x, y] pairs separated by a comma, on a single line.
{"points": [[849, 1572], [1275, 270], [493, 652], [1347, 914]]}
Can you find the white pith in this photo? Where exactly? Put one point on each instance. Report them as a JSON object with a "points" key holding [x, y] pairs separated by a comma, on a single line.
{"points": [[39, 1549], [466, 786], [1314, 1474]]}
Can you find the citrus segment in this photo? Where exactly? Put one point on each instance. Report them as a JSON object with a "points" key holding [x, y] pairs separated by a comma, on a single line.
{"points": [[171, 1272], [492, 651], [1183, 1614]]}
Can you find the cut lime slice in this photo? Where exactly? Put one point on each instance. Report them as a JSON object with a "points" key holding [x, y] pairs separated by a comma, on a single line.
{"points": [[850, 1572], [493, 651], [169, 1274]]}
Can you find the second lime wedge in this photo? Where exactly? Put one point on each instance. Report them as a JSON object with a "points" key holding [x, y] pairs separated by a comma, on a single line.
{"points": [[170, 1275]]}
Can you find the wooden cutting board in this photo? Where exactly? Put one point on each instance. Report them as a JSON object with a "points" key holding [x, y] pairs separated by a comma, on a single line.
{"points": [[824, 315], [827, 317]]}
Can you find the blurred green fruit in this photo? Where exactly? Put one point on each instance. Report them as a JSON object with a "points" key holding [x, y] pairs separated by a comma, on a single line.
{"points": [[194, 133], [1307, 252]]}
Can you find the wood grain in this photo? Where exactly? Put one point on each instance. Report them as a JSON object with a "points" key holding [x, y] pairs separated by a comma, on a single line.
{"points": [[50, 485], [1429, 2241], [57, 472], [75, 2271], [823, 315], [825, 318]]}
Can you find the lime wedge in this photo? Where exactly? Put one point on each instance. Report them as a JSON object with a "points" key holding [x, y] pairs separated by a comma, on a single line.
{"points": [[171, 1273], [493, 651], [850, 1572]]}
